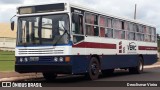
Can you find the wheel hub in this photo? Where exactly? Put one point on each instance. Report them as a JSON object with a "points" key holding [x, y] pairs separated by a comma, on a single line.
{"points": [[94, 69]]}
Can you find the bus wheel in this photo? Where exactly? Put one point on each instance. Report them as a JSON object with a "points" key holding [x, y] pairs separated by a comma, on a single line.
{"points": [[138, 69], [107, 72], [49, 76], [94, 68]]}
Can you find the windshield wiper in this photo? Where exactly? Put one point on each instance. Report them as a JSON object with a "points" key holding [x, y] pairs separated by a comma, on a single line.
{"points": [[65, 31]]}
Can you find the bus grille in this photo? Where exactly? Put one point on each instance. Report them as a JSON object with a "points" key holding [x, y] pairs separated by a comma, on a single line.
{"points": [[44, 51]]}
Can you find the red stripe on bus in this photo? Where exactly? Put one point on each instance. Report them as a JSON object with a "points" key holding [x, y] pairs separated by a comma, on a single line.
{"points": [[147, 48], [95, 45]]}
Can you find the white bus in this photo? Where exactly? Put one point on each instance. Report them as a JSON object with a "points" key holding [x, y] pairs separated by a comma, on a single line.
{"points": [[62, 38]]}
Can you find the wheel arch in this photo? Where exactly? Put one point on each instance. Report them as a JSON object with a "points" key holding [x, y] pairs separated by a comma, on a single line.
{"points": [[98, 58], [140, 55]]}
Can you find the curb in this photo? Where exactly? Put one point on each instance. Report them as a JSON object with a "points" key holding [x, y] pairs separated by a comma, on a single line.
{"points": [[20, 78], [153, 66]]}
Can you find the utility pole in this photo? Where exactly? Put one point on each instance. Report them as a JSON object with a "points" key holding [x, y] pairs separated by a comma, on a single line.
{"points": [[135, 12]]}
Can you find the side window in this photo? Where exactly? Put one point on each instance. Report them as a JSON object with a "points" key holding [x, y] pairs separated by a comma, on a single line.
{"points": [[138, 37], [92, 30], [77, 28], [147, 38], [77, 24], [96, 31], [103, 21], [153, 33], [140, 28], [131, 27], [153, 39], [122, 25], [119, 34], [91, 24], [150, 30], [126, 25], [109, 33], [103, 24], [150, 34], [144, 29], [109, 22], [117, 24], [147, 30], [91, 18], [102, 32], [135, 28], [142, 37], [131, 35], [89, 30], [123, 35]]}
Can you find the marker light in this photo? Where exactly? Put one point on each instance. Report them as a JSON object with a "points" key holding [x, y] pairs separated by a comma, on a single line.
{"points": [[67, 59]]}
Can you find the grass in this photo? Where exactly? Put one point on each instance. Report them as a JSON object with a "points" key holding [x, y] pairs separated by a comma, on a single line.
{"points": [[7, 61], [6, 55], [7, 65]]}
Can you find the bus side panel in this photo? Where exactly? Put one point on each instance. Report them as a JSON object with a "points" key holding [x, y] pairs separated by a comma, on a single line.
{"points": [[118, 61], [80, 64], [150, 59]]}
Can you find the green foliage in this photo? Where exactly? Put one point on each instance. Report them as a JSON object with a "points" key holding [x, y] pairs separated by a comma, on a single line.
{"points": [[7, 61], [7, 65], [6, 55]]}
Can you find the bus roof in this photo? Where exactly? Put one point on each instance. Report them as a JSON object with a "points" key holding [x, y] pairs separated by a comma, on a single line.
{"points": [[110, 15], [95, 11]]}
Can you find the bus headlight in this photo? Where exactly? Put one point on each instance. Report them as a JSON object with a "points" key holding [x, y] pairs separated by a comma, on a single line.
{"points": [[61, 59], [55, 59], [21, 59], [26, 59]]}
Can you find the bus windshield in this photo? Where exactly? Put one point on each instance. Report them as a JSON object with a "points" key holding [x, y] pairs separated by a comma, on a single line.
{"points": [[43, 30]]}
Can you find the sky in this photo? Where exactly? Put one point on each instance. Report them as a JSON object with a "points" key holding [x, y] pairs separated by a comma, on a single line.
{"points": [[148, 11]]}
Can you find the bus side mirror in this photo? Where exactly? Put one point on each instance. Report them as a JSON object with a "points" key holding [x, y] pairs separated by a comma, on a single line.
{"points": [[12, 25]]}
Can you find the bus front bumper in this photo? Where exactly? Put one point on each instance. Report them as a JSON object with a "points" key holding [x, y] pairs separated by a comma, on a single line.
{"points": [[59, 69]]}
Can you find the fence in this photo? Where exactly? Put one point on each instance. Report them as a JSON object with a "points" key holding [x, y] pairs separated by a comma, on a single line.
{"points": [[7, 44]]}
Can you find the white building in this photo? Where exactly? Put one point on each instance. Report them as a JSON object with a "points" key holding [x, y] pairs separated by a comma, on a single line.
{"points": [[7, 37]]}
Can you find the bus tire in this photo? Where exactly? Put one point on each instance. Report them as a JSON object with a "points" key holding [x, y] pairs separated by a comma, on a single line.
{"points": [[93, 69], [107, 72], [139, 68], [49, 76]]}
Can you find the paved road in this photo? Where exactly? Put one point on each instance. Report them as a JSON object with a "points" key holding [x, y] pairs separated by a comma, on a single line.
{"points": [[119, 78], [108, 82]]}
